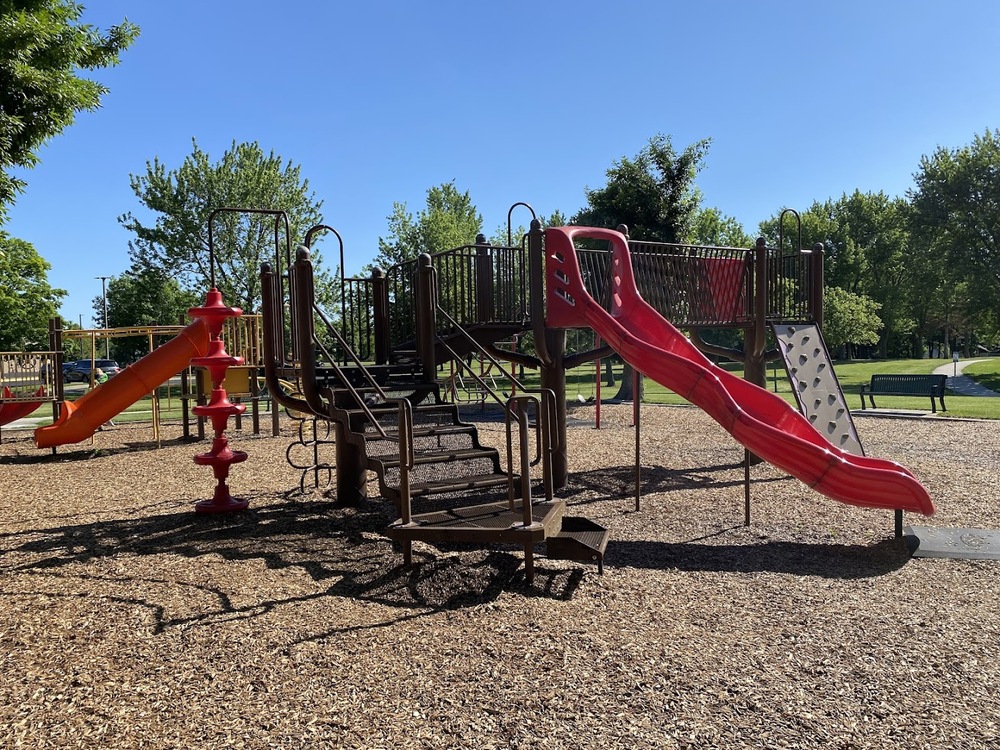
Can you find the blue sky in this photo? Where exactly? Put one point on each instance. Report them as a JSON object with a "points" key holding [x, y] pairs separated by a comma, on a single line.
{"points": [[515, 101]]}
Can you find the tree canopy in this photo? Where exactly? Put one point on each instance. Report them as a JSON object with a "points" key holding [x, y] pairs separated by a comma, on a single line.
{"points": [[142, 298], [956, 203], [850, 319], [42, 48], [448, 220], [177, 244], [866, 254], [27, 301], [654, 192], [710, 226]]}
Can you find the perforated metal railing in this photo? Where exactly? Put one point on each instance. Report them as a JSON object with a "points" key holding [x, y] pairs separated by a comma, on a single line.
{"points": [[357, 321], [704, 286], [687, 284], [790, 286], [690, 285], [476, 284]]}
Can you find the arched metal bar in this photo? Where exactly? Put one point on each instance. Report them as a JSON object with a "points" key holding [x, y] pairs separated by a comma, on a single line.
{"points": [[510, 239]]}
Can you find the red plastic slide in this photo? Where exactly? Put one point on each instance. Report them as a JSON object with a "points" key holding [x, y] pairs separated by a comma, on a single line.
{"points": [[14, 410], [80, 419], [757, 418]]}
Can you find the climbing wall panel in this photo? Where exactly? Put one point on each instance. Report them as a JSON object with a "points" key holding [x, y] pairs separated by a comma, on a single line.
{"points": [[817, 390]]}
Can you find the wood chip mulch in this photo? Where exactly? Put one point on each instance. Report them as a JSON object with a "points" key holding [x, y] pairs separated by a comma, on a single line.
{"points": [[128, 621]]}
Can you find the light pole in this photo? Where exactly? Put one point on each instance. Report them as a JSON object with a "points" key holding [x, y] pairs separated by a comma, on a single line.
{"points": [[104, 298]]}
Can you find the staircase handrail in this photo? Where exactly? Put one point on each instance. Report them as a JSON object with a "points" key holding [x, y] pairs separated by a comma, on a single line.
{"points": [[546, 393], [307, 328], [520, 414]]}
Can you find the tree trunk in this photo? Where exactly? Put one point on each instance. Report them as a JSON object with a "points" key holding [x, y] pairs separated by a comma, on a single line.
{"points": [[625, 391], [609, 374]]}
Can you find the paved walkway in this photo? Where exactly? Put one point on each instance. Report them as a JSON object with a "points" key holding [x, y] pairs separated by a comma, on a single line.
{"points": [[963, 385]]}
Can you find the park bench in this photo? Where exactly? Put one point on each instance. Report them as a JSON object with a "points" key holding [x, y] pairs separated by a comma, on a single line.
{"points": [[905, 385]]}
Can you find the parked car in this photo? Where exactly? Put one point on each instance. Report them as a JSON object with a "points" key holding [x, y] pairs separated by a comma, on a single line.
{"points": [[44, 370], [79, 371]]}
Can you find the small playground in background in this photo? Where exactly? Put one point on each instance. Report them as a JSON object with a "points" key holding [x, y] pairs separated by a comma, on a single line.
{"points": [[737, 605]]}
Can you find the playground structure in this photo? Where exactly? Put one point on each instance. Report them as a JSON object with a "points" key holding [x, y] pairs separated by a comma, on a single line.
{"points": [[29, 380], [372, 372], [372, 375]]}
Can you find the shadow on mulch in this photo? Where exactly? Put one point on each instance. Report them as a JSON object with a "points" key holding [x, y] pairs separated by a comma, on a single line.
{"points": [[842, 561], [616, 482], [329, 542], [78, 453]]}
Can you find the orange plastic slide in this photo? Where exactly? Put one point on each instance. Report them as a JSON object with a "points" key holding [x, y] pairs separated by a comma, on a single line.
{"points": [[80, 419], [763, 422]]}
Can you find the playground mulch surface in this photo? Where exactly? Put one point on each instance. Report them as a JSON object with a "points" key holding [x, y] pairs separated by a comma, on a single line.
{"points": [[128, 621]]}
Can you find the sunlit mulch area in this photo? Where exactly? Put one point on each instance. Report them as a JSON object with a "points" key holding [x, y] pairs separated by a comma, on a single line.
{"points": [[127, 621]]}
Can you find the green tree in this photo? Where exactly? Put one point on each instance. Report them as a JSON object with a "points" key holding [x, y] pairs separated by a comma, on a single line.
{"points": [[448, 220], [850, 319], [866, 245], [177, 244], [956, 203], [877, 226], [711, 227], [42, 48], [27, 301], [142, 297], [653, 193], [824, 223]]}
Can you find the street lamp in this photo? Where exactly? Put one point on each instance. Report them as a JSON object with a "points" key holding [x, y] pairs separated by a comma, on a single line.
{"points": [[104, 298]]}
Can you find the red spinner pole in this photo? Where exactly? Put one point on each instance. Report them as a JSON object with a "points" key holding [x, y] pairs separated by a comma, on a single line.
{"points": [[219, 408]]}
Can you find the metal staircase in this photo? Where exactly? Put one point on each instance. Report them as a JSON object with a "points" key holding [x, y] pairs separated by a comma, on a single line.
{"points": [[389, 416]]}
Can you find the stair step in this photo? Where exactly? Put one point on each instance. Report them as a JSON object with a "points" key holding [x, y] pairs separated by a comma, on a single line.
{"points": [[579, 539], [448, 455], [427, 431], [488, 523], [384, 409], [458, 484]]}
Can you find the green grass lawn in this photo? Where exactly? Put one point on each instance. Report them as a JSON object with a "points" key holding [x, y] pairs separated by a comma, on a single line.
{"points": [[142, 410], [852, 375], [580, 382], [986, 373]]}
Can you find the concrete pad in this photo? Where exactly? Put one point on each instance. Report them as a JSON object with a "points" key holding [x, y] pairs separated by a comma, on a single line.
{"points": [[956, 544], [895, 413]]}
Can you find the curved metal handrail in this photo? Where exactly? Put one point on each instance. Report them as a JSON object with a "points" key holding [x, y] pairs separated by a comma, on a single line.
{"points": [[510, 211]]}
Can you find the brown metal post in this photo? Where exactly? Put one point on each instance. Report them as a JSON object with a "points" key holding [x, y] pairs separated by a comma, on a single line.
{"points": [[380, 294], [254, 401], [536, 291], [55, 345], [426, 315], [747, 460], [636, 420], [754, 364], [816, 282], [484, 281]]}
